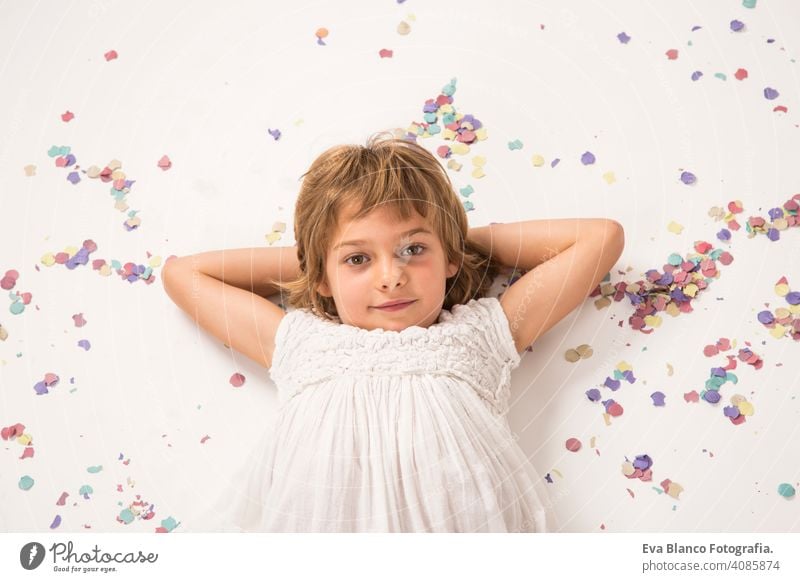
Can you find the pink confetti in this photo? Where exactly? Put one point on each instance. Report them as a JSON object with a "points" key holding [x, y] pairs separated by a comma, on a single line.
{"points": [[204, 439], [67, 116], [672, 54], [111, 55], [237, 380], [164, 163], [63, 499], [386, 54]]}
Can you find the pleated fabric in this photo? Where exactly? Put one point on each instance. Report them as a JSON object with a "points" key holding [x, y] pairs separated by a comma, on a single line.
{"points": [[390, 431]]}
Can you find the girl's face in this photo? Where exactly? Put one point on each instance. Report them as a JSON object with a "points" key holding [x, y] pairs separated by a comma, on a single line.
{"points": [[376, 260]]}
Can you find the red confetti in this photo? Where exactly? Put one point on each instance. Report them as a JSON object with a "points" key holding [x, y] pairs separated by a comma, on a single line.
{"points": [[740, 74], [386, 54], [111, 55], [67, 116], [237, 380], [672, 54]]}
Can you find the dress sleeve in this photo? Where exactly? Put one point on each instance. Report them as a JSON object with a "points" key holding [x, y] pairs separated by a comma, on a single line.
{"points": [[493, 343]]}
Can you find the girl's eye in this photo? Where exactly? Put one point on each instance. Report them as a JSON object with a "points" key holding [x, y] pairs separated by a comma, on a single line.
{"points": [[421, 247]]}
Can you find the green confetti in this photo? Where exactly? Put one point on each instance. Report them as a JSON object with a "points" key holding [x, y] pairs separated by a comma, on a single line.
{"points": [[786, 490], [25, 482]]}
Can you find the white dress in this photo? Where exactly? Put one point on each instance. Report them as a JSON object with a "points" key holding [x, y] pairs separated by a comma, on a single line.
{"points": [[391, 431]]}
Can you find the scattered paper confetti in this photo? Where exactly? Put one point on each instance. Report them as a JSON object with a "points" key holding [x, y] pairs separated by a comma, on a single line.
{"points": [[164, 163], [69, 116], [111, 55], [786, 490], [237, 380], [573, 445], [25, 482]]}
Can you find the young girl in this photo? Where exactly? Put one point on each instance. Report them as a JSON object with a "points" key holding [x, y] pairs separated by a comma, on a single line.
{"points": [[394, 367]]}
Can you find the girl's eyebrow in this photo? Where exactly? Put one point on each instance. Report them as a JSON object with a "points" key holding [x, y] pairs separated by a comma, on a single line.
{"points": [[361, 242]]}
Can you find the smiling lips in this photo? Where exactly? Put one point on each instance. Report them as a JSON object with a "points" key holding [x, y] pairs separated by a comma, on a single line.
{"points": [[395, 306]]}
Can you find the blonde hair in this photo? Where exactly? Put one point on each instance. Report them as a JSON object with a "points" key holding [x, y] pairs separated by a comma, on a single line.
{"points": [[390, 172]]}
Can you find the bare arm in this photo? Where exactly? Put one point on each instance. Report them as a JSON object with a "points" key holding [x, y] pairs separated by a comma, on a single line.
{"points": [[250, 269], [565, 259], [225, 293]]}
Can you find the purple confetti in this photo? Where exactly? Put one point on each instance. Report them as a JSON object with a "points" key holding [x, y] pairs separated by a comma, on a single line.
{"points": [[41, 388], [688, 178], [628, 375], [711, 396], [84, 344], [56, 522], [773, 234], [623, 38], [793, 298], [737, 25], [770, 93], [658, 398], [724, 235], [696, 75], [593, 394], [548, 478], [765, 317], [613, 384], [642, 462], [74, 177], [696, 27], [775, 213], [275, 133], [587, 158], [554, 163], [70, 160], [731, 411]]}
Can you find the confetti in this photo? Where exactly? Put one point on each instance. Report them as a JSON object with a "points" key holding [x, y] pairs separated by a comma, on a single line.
{"points": [[623, 38], [786, 490], [639, 469], [403, 28], [672, 54], [784, 321], [671, 291], [770, 93], [320, 34], [237, 380], [587, 158], [573, 445], [164, 163], [674, 227], [386, 54], [69, 116], [740, 74], [658, 398], [737, 25], [688, 178], [25, 482], [111, 55], [56, 522], [275, 133]]}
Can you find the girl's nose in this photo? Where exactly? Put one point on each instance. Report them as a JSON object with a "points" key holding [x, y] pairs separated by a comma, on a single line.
{"points": [[391, 272]]}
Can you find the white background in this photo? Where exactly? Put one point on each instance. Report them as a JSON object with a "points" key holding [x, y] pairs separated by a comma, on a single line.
{"points": [[202, 82]]}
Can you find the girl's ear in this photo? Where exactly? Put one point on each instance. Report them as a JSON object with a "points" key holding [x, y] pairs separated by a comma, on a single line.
{"points": [[324, 290], [452, 269]]}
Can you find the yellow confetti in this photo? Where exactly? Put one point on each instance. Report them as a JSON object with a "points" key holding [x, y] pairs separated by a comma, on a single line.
{"points": [[781, 289], [460, 148], [403, 28], [669, 369], [557, 472], [674, 490], [30, 170], [653, 320], [537, 160], [778, 331], [478, 172], [454, 165], [609, 177], [479, 161], [674, 227], [48, 260], [627, 468], [746, 408], [624, 366]]}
